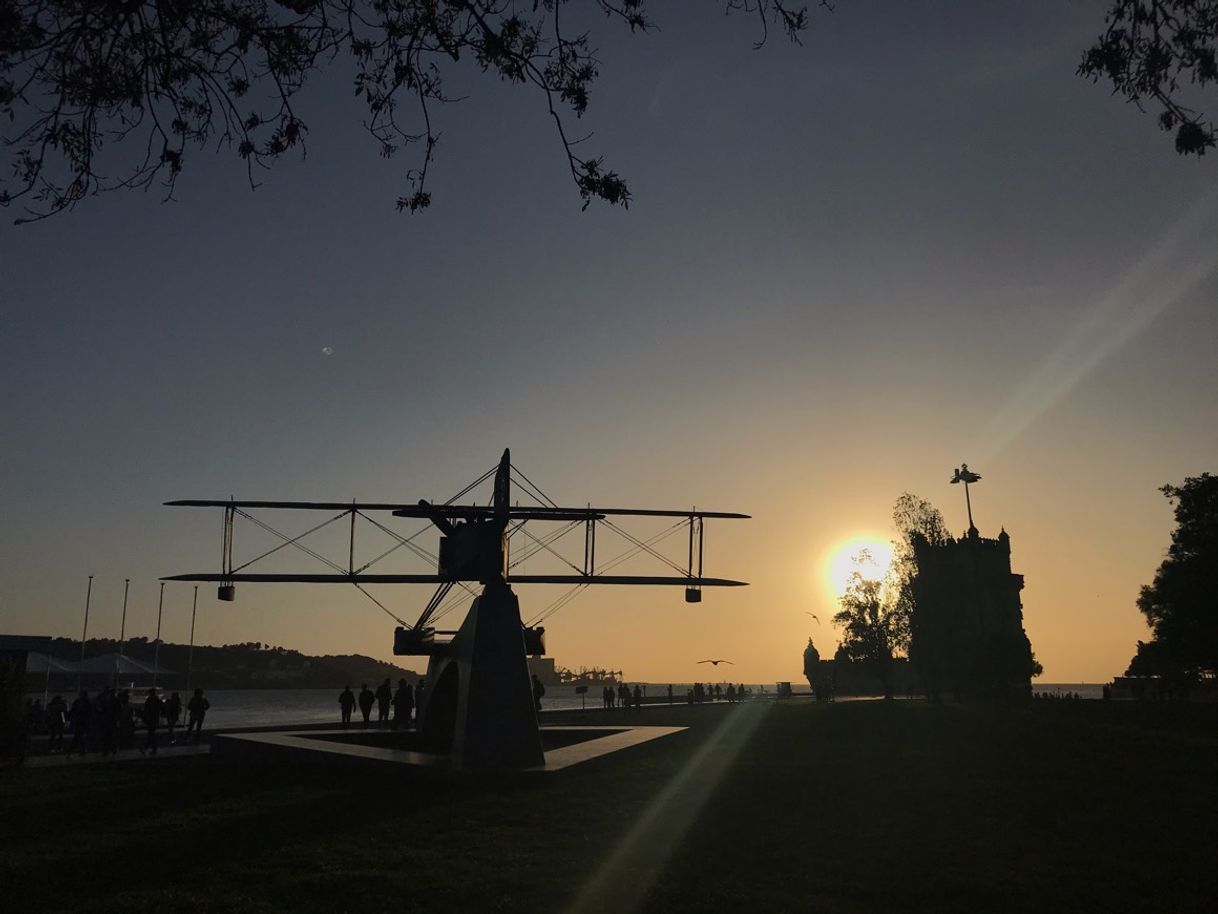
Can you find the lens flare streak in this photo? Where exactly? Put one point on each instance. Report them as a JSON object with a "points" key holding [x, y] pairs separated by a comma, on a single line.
{"points": [[641, 855]]}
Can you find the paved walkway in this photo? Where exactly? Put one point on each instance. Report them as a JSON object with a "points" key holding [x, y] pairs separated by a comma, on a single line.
{"points": [[123, 755]]}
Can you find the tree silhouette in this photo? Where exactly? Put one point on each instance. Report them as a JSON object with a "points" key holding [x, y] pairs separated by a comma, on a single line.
{"points": [[915, 517], [1181, 605], [1154, 51], [875, 623], [151, 80]]}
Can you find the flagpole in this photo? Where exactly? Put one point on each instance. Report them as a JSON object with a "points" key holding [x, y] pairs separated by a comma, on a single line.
{"points": [[122, 632], [156, 650], [966, 476], [122, 629], [190, 657], [83, 634]]}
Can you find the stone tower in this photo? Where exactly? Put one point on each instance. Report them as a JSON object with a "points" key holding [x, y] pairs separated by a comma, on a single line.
{"points": [[968, 636]]}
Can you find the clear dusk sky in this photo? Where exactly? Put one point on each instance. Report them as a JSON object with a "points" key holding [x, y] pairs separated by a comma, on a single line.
{"points": [[917, 240]]}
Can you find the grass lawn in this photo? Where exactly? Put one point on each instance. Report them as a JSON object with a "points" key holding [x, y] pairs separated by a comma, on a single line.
{"points": [[855, 806]]}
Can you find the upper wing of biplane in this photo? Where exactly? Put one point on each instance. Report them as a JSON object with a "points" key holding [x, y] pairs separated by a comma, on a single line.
{"points": [[459, 512]]}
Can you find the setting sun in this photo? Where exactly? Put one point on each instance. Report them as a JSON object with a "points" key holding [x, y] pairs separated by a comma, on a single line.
{"points": [[839, 563]]}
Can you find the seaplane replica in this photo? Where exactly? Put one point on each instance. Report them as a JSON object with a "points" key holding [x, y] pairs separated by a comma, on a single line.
{"points": [[478, 707]]}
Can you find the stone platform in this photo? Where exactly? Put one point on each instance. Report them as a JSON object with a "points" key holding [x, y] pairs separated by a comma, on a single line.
{"points": [[563, 746]]}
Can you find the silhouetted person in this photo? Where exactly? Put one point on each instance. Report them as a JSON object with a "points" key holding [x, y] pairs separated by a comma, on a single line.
{"points": [[105, 721], [197, 709], [81, 718], [57, 711], [403, 705], [366, 701], [151, 716], [125, 720], [173, 714], [670, 693], [538, 691], [346, 702], [35, 715], [638, 697], [384, 698]]}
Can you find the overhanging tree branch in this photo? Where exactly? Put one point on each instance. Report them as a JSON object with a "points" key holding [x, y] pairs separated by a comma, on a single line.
{"points": [[79, 77], [1153, 51]]}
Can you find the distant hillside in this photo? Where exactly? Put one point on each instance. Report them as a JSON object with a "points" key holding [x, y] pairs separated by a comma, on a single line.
{"points": [[252, 665]]}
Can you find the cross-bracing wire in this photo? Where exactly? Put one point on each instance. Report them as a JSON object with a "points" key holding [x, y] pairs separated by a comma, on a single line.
{"points": [[402, 541], [644, 546], [428, 611], [477, 482], [295, 541], [528, 484], [447, 608], [378, 603], [546, 543], [288, 541], [558, 604], [406, 541], [631, 553], [571, 594]]}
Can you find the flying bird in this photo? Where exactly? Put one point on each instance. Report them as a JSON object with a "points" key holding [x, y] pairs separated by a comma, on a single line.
{"points": [[716, 662], [814, 616]]}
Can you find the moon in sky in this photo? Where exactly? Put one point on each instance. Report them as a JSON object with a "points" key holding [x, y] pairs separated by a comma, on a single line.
{"points": [[327, 350], [838, 564]]}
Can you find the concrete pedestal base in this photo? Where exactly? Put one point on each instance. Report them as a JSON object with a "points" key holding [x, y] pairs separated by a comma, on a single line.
{"points": [[478, 707]]}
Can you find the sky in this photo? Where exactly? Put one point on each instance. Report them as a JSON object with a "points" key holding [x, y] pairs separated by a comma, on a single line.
{"points": [[847, 267]]}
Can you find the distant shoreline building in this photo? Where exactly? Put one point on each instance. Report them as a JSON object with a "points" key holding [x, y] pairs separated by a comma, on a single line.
{"points": [[967, 623]]}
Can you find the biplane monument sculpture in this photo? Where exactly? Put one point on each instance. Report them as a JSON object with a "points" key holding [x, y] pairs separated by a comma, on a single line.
{"points": [[478, 707]]}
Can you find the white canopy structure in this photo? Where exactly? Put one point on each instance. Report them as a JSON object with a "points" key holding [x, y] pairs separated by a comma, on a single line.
{"points": [[113, 664], [43, 663]]}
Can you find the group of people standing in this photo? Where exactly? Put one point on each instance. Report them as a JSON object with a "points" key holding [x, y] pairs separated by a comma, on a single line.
{"points": [[109, 720], [384, 699], [156, 708], [624, 697], [701, 693]]}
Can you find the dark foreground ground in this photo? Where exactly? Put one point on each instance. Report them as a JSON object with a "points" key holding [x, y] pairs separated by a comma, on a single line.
{"points": [[860, 806]]}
